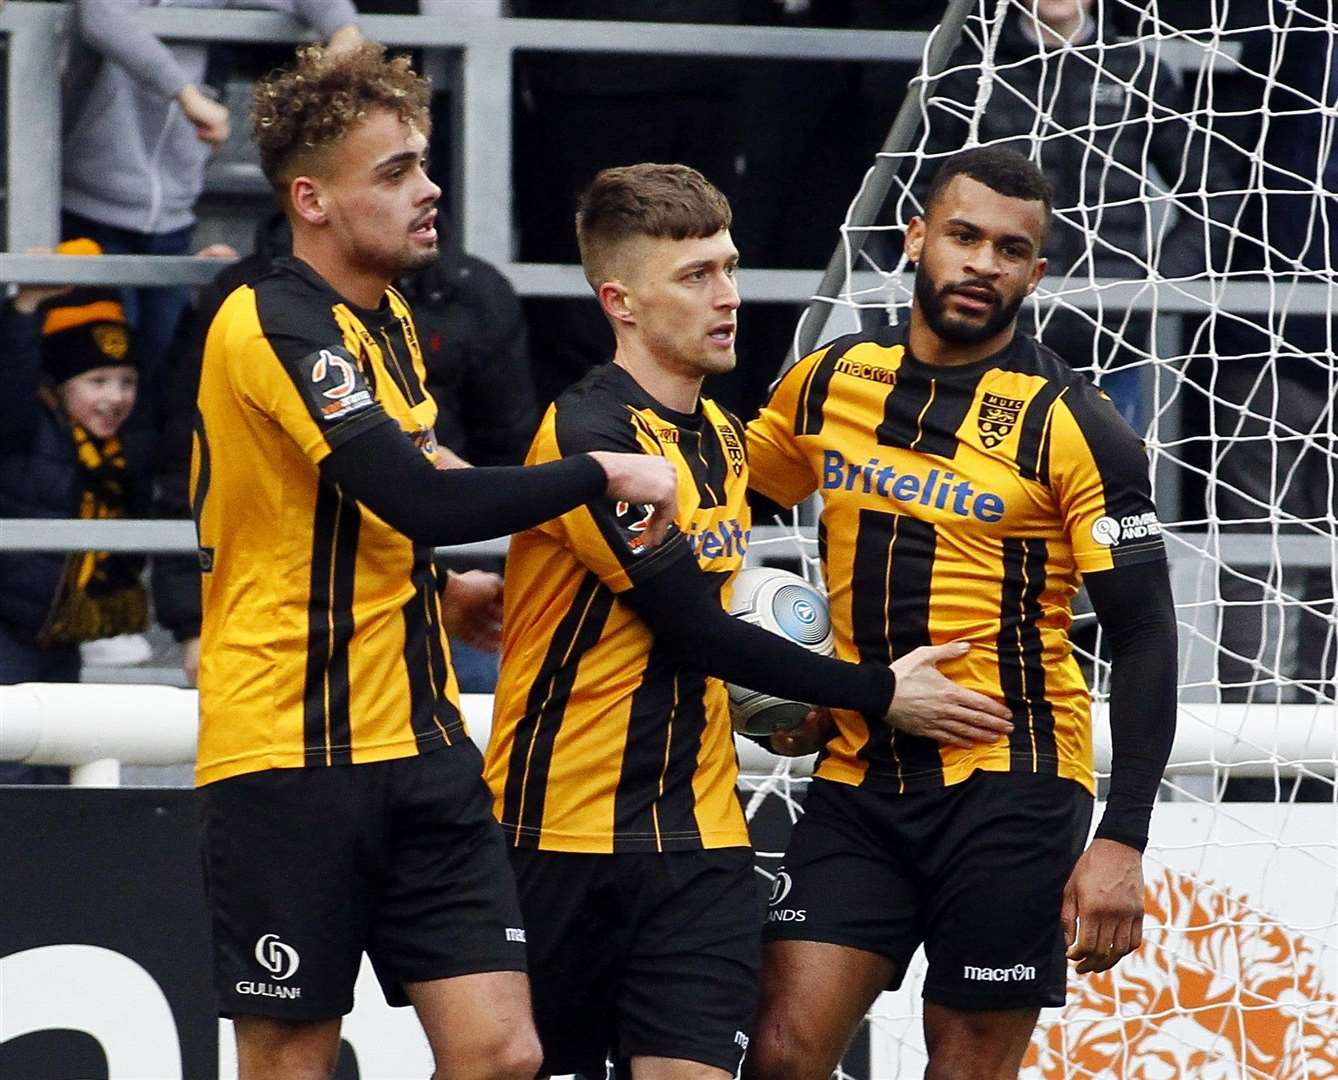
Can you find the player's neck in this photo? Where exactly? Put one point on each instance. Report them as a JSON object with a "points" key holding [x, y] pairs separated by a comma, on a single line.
{"points": [[929, 348], [672, 389], [352, 282]]}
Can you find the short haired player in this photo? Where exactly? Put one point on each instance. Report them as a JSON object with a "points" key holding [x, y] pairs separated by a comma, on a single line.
{"points": [[342, 804], [970, 480], [612, 757]]}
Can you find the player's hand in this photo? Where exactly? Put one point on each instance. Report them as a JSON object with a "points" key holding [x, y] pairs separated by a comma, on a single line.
{"points": [[448, 459], [1102, 913], [190, 660], [928, 703], [806, 737], [210, 119], [471, 609], [641, 478], [30, 297], [217, 251]]}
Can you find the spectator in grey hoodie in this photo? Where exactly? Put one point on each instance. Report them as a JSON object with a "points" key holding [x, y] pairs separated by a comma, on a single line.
{"points": [[139, 129]]}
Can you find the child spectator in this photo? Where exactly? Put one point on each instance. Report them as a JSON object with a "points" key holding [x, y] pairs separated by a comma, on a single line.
{"points": [[71, 381]]}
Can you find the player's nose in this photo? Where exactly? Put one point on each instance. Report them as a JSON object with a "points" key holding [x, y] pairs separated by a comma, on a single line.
{"points": [[982, 261], [430, 192]]}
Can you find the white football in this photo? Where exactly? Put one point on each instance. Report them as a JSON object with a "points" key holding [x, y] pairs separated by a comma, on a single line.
{"points": [[785, 604]]}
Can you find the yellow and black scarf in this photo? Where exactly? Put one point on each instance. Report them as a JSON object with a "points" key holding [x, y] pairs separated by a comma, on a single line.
{"points": [[101, 594]]}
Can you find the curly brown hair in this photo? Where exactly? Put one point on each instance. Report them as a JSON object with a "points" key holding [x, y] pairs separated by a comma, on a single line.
{"points": [[301, 111]]}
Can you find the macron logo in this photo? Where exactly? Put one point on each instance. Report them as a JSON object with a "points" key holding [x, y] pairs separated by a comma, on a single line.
{"points": [[515, 934], [1016, 973]]}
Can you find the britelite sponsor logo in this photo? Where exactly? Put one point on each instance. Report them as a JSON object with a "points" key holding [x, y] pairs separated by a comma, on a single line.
{"points": [[938, 488], [723, 540]]}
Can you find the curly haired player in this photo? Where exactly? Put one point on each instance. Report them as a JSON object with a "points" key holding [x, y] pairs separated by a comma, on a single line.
{"points": [[342, 803]]}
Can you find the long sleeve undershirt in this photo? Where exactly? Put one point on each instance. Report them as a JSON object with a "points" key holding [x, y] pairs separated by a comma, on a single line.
{"points": [[680, 606], [384, 471], [1137, 615]]}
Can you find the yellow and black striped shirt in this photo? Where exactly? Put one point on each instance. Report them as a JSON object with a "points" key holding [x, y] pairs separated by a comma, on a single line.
{"points": [[321, 641], [958, 503], [600, 742]]}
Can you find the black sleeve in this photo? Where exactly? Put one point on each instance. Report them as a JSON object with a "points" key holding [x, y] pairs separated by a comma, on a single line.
{"points": [[1142, 639], [175, 579], [383, 470], [680, 606], [20, 410]]}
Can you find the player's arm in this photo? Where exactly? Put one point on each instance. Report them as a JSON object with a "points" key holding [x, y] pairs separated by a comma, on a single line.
{"points": [[383, 470], [20, 410], [1099, 471], [680, 606], [1142, 640], [270, 346], [776, 465], [1103, 900]]}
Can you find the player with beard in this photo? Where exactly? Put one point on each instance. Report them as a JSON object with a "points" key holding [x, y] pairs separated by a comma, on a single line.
{"points": [[342, 804], [612, 758], [970, 481]]}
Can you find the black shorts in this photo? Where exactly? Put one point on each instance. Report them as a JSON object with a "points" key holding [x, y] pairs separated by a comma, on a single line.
{"points": [[307, 869], [975, 872], [641, 953]]}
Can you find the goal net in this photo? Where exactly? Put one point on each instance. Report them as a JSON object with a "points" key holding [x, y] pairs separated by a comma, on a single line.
{"points": [[1191, 275]]}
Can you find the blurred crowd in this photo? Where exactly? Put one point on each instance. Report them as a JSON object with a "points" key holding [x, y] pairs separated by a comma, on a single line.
{"points": [[98, 414]]}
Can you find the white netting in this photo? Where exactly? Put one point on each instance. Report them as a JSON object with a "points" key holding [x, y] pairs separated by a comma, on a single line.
{"points": [[1192, 272]]}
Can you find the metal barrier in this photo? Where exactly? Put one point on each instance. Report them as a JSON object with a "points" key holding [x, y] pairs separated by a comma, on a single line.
{"points": [[96, 728], [479, 45]]}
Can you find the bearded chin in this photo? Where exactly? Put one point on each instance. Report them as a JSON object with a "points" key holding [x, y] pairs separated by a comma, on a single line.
{"points": [[950, 328], [405, 261]]}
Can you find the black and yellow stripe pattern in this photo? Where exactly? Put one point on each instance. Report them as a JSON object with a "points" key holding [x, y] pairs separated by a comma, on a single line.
{"points": [[600, 743], [958, 503], [322, 642]]}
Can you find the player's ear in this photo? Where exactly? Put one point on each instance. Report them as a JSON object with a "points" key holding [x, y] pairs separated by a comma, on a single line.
{"points": [[1037, 272], [308, 200], [613, 299], [915, 238]]}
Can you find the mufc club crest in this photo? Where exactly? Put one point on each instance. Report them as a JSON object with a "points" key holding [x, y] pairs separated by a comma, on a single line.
{"points": [[997, 417]]}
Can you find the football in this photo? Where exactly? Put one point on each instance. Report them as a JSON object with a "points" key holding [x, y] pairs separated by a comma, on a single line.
{"points": [[785, 604]]}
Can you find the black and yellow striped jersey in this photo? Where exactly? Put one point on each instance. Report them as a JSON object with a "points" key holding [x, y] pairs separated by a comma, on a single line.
{"points": [[958, 503], [600, 742], [321, 641]]}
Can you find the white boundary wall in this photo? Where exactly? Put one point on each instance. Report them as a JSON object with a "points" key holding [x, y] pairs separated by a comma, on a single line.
{"points": [[94, 727]]}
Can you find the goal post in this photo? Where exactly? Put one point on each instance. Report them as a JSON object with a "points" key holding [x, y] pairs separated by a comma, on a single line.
{"points": [[1193, 278]]}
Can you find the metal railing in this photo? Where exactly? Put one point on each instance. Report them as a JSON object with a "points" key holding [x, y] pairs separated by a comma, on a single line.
{"points": [[479, 47]]}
